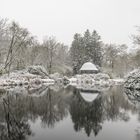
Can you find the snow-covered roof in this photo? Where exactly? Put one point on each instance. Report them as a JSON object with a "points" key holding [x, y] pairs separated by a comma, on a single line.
{"points": [[89, 66], [89, 97]]}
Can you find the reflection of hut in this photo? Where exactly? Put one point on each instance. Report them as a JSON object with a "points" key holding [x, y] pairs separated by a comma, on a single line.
{"points": [[89, 97], [86, 116], [88, 68]]}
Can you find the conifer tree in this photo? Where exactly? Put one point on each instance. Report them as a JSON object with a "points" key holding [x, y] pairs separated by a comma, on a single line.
{"points": [[86, 48]]}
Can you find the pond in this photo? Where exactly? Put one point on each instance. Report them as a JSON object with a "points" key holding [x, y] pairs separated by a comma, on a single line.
{"points": [[67, 113]]}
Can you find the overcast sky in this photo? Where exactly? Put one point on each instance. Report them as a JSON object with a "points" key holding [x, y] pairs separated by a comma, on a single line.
{"points": [[114, 20]]}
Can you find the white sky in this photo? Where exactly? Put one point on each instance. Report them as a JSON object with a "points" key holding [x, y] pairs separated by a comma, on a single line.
{"points": [[114, 20]]}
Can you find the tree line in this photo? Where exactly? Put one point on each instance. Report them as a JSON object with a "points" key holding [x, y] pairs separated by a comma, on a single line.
{"points": [[20, 49]]}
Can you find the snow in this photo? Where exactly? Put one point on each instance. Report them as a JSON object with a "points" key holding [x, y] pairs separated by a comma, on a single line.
{"points": [[117, 81], [19, 78], [55, 76], [133, 80], [37, 70], [94, 80], [51, 81], [89, 97], [89, 66], [73, 80]]}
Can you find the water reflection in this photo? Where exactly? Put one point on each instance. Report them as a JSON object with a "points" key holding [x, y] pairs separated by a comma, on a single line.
{"points": [[13, 126], [107, 106], [86, 115], [133, 95], [52, 104], [17, 109]]}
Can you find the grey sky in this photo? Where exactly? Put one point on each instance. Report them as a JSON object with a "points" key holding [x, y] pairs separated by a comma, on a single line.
{"points": [[113, 19]]}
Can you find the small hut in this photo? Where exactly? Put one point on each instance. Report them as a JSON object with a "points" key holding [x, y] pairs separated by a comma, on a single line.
{"points": [[88, 68]]}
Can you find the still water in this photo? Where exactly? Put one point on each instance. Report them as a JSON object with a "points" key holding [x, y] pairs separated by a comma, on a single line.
{"points": [[58, 113]]}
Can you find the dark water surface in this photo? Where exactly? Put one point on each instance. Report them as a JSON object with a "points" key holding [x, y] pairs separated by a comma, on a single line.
{"points": [[58, 113]]}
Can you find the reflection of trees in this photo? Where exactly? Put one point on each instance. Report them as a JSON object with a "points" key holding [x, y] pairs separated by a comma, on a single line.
{"points": [[112, 105], [134, 98], [53, 107], [137, 131], [116, 105], [2, 92], [13, 127], [50, 107], [86, 115]]}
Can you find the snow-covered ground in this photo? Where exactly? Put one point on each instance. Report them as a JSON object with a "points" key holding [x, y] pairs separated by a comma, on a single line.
{"points": [[94, 79], [117, 81], [19, 78], [133, 80]]}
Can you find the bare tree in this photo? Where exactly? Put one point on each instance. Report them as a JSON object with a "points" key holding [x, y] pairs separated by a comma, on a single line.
{"points": [[19, 39], [3, 39], [110, 54], [50, 44], [116, 60], [136, 38]]}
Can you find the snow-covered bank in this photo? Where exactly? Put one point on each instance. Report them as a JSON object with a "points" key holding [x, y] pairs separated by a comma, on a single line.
{"points": [[95, 79], [133, 80], [133, 95], [117, 81], [21, 78], [24, 77], [132, 85]]}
